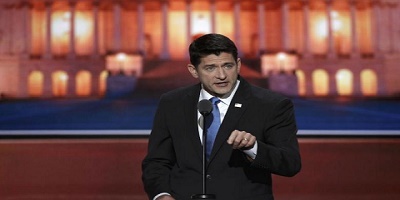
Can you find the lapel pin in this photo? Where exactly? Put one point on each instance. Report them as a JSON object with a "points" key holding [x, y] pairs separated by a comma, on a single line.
{"points": [[238, 105]]}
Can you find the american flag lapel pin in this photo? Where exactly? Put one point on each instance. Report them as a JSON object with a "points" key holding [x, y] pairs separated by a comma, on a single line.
{"points": [[238, 105]]}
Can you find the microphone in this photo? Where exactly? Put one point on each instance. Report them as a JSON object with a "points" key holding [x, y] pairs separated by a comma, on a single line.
{"points": [[205, 107]]}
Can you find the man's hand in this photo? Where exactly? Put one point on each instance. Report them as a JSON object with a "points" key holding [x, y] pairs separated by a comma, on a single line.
{"points": [[241, 140]]}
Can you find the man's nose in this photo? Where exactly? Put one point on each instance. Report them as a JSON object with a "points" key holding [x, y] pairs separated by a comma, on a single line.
{"points": [[221, 74]]}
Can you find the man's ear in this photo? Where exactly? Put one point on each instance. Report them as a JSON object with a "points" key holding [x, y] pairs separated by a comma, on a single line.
{"points": [[192, 70], [239, 64]]}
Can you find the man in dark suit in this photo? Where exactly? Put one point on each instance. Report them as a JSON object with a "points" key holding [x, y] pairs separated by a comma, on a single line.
{"points": [[256, 136]]}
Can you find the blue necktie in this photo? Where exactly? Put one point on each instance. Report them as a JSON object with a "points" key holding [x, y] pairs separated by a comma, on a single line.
{"points": [[213, 121]]}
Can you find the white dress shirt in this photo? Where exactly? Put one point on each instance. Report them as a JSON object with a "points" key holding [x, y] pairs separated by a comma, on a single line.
{"points": [[223, 108]]}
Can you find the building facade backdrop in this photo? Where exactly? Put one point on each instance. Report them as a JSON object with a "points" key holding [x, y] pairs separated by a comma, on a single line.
{"points": [[62, 48]]}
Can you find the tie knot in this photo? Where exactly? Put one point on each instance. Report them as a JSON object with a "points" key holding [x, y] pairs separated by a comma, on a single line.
{"points": [[214, 100]]}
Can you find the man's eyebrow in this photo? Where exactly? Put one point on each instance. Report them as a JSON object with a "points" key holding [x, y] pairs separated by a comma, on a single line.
{"points": [[223, 64]]}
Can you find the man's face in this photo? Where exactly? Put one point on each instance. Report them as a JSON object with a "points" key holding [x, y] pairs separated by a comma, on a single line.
{"points": [[218, 74]]}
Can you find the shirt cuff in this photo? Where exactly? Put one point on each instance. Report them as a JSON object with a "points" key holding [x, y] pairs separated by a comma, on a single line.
{"points": [[161, 194], [252, 153]]}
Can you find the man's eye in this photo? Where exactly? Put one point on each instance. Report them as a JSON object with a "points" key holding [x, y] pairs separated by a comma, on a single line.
{"points": [[228, 66], [210, 68]]}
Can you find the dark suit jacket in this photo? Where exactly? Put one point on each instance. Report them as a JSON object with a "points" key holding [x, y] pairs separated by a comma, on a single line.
{"points": [[174, 160]]}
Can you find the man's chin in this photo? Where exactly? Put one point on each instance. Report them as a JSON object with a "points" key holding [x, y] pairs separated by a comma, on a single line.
{"points": [[222, 92]]}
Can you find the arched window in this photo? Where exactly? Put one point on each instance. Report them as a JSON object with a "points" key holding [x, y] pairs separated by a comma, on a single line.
{"points": [[103, 83], [35, 84], [320, 81], [301, 82], [369, 82], [344, 82], [60, 83], [83, 83]]}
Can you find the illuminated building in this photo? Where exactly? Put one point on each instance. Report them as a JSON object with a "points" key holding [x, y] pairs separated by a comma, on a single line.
{"points": [[62, 48]]}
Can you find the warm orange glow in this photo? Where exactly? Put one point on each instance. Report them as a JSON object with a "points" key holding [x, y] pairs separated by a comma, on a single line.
{"points": [[281, 56], [344, 82], [278, 63], [60, 28], [201, 23], [340, 32], [364, 26], [369, 82], [82, 25], [35, 84], [287, 63], [83, 83], [60, 82], [103, 83], [301, 82], [177, 38], [116, 63], [281, 60], [321, 27], [318, 32], [336, 23], [320, 79], [121, 57], [61, 32], [322, 24], [362, 37], [125, 64], [225, 24], [83, 33], [38, 31], [61, 24]]}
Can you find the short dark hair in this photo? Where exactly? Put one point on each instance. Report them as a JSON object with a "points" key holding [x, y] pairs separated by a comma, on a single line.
{"points": [[211, 44]]}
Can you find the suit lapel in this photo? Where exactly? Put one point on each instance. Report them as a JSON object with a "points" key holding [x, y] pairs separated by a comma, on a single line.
{"points": [[236, 109], [190, 110]]}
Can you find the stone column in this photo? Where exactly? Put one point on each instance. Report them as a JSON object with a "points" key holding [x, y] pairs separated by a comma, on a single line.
{"points": [[357, 83], [164, 30], [26, 51], [140, 26], [11, 26], [332, 83], [71, 54], [95, 11], [213, 9], [261, 26], [285, 25], [376, 22], [47, 85], [188, 22], [355, 52], [309, 83], [95, 85], [396, 25], [306, 28], [2, 24], [236, 19], [71, 85], [331, 47], [48, 49], [392, 20], [117, 26]]}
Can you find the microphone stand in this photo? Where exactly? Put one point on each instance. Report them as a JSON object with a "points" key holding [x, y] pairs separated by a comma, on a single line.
{"points": [[204, 195]]}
